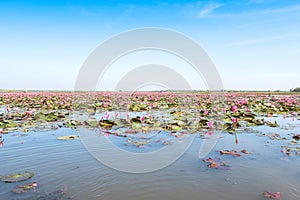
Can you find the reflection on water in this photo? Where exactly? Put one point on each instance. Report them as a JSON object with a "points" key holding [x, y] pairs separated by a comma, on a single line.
{"points": [[67, 165]]}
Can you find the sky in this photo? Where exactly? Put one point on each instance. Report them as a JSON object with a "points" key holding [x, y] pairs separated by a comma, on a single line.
{"points": [[254, 44]]}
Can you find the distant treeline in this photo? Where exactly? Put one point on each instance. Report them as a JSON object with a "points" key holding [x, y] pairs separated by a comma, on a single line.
{"points": [[297, 89]]}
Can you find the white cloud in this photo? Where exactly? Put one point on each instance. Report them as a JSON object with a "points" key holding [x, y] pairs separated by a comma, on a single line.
{"points": [[287, 9], [261, 40], [209, 9]]}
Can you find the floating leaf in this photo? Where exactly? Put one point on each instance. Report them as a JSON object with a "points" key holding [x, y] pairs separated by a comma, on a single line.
{"points": [[296, 137], [175, 127], [24, 188], [275, 195], [132, 131], [145, 129], [293, 142], [11, 178], [216, 163], [272, 124], [69, 137], [137, 143], [106, 123], [136, 125], [245, 151], [274, 136], [92, 122], [259, 122], [232, 152]]}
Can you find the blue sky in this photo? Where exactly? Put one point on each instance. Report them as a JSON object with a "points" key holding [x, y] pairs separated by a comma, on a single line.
{"points": [[255, 44]]}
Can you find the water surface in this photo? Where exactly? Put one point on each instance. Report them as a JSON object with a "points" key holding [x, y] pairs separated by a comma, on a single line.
{"points": [[68, 165]]}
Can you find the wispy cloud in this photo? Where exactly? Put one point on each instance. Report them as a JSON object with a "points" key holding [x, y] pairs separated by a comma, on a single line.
{"points": [[261, 1], [287, 9], [262, 40], [209, 9], [200, 9]]}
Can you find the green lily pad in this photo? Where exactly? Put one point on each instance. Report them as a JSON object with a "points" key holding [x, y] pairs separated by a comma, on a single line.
{"points": [[12, 125], [296, 137], [175, 127], [272, 124], [24, 188], [92, 122], [136, 125], [11, 178], [106, 123], [259, 122], [70, 123]]}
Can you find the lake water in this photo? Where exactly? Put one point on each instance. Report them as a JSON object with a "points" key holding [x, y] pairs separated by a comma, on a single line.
{"points": [[68, 166]]}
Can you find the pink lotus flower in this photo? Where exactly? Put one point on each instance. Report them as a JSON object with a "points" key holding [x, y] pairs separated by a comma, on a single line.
{"points": [[210, 124], [29, 112], [234, 120], [142, 118], [294, 114], [149, 116], [1, 140], [209, 133], [234, 108], [106, 115], [106, 134], [34, 185]]}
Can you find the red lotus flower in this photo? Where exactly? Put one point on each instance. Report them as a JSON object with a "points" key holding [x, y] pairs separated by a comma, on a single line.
{"points": [[275, 195]]}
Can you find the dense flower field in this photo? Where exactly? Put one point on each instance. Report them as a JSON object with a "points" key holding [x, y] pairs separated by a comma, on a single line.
{"points": [[165, 110]]}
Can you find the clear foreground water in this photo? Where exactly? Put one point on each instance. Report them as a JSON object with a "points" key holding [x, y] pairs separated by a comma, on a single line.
{"points": [[69, 166]]}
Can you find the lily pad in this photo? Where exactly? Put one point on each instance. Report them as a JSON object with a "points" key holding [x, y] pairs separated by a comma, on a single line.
{"points": [[106, 123], [92, 122], [296, 137], [272, 124], [24, 188], [69, 137], [136, 125], [137, 143], [245, 151], [275, 195], [259, 122], [216, 163], [11, 178], [275, 136], [131, 131], [232, 152]]}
